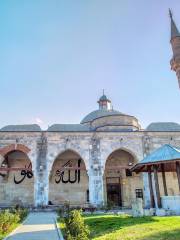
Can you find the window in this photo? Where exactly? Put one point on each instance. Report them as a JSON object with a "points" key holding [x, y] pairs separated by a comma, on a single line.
{"points": [[128, 173], [139, 193], [87, 196]]}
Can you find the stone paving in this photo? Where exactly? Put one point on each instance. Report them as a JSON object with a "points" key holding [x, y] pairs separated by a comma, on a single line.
{"points": [[37, 226]]}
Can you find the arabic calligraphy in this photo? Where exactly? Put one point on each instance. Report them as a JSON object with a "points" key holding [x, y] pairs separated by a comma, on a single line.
{"points": [[60, 174], [27, 172]]}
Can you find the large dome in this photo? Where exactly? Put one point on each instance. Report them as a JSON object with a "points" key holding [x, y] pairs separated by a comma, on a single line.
{"points": [[108, 119], [100, 113]]}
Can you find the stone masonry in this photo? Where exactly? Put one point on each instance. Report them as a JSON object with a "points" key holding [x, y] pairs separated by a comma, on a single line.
{"points": [[94, 149]]}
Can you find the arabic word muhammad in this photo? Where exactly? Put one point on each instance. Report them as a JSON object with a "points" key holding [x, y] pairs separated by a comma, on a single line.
{"points": [[73, 176], [27, 172]]}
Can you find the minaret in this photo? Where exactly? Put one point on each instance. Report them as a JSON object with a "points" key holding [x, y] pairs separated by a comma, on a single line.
{"points": [[104, 102], [175, 43]]}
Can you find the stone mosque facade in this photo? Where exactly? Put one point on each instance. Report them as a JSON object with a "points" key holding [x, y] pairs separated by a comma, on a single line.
{"points": [[86, 163]]}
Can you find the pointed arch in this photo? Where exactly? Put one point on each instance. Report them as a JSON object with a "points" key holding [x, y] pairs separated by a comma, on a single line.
{"points": [[53, 158], [125, 150], [14, 147], [119, 182], [68, 179], [107, 152], [18, 178]]}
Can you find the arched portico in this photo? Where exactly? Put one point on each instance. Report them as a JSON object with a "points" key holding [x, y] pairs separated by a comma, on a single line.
{"points": [[120, 185], [68, 180], [17, 178]]}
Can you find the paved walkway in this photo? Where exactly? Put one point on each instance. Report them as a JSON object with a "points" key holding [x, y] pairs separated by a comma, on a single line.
{"points": [[37, 226]]}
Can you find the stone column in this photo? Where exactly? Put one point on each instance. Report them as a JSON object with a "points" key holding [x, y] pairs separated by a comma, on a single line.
{"points": [[41, 188], [164, 180], [147, 198], [96, 193], [152, 203], [146, 140], [41, 174], [155, 168]]}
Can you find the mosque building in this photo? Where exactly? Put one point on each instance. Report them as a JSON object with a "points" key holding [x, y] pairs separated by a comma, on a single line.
{"points": [[86, 163]]}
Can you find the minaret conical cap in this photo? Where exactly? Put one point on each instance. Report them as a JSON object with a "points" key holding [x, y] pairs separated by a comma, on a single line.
{"points": [[174, 29]]}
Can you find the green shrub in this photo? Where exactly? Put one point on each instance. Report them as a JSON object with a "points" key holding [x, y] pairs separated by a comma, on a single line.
{"points": [[21, 212], [75, 226], [7, 219]]}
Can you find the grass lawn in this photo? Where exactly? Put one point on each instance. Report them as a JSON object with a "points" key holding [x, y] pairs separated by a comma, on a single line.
{"points": [[124, 227]]}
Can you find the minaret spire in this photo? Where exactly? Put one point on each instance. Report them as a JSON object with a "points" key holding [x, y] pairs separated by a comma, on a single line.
{"points": [[175, 43], [170, 13], [174, 29]]}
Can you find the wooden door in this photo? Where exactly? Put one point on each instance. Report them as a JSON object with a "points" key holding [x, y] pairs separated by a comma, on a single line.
{"points": [[114, 194]]}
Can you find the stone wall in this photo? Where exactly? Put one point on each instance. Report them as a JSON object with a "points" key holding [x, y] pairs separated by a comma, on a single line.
{"points": [[94, 148]]}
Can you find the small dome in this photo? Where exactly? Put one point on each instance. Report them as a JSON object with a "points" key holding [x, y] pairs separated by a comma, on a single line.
{"points": [[163, 126], [99, 113], [103, 98], [21, 128]]}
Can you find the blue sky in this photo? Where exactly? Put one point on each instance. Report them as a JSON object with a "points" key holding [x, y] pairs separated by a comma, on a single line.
{"points": [[58, 55]]}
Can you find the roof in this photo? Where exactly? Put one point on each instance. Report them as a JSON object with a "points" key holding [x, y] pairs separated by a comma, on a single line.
{"points": [[21, 128], [104, 98], [174, 29], [164, 154], [163, 126], [100, 113], [68, 128]]}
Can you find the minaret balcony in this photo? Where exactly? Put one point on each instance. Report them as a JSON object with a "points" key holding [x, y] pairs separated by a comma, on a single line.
{"points": [[175, 63]]}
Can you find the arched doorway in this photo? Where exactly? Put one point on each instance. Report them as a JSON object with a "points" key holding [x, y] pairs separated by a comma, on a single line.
{"points": [[68, 180], [17, 183], [120, 185]]}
